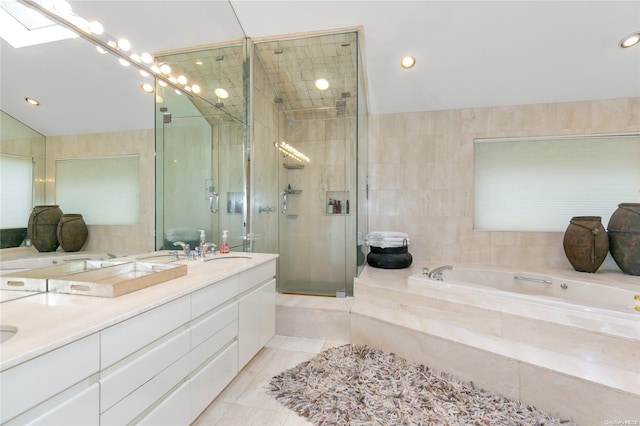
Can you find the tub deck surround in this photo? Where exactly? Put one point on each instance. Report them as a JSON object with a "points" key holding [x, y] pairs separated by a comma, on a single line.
{"points": [[598, 347], [48, 321]]}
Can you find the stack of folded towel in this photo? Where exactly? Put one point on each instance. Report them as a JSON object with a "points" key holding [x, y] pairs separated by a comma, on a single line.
{"points": [[387, 239]]}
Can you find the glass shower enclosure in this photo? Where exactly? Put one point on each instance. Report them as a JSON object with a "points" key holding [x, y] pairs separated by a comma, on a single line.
{"points": [[309, 161], [281, 162]]}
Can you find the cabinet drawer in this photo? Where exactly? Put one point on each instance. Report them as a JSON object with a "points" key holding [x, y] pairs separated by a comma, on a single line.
{"points": [[125, 411], [32, 382], [209, 347], [214, 295], [174, 410], [257, 275], [212, 323], [124, 380], [123, 339], [211, 380], [80, 410]]}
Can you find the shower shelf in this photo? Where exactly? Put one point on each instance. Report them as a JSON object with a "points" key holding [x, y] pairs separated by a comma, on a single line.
{"points": [[293, 166], [293, 191]]}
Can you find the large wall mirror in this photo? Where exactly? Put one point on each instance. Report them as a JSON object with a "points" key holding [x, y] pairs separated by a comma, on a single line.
{"points": [[82, 92], [92, 107]]}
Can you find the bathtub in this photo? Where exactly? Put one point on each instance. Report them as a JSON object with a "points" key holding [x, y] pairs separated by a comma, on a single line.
{"points": [[547, 290], [516, 332]]}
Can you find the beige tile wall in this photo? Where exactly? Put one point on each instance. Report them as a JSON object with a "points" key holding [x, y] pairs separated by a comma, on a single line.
{"points": [[118, 239], [421, 176]]}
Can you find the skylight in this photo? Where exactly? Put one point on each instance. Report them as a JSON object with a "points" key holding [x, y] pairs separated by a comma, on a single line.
{"points": [[22, 26]]}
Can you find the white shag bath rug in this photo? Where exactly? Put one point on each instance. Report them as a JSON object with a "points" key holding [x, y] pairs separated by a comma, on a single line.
{"points": [[359, 385]]}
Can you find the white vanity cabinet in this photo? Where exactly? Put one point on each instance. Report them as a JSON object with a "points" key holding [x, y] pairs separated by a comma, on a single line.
{"points": [[40, 390], [162, 366], [257, 316]]}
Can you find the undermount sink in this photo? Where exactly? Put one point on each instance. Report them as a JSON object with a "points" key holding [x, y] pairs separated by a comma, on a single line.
{"points": [[7, 332], [223, 257]]}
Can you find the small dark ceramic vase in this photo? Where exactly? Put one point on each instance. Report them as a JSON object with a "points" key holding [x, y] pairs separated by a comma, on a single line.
{"points": [[72, 232], [624, 237], [586, 243], [42, 227]]}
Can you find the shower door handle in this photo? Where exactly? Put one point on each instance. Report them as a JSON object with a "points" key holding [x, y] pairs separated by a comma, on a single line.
{"points": [[212, 194], [284, 202]]}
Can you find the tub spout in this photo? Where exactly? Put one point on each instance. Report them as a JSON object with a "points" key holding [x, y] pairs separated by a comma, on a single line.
{"points": [[437, 272]]}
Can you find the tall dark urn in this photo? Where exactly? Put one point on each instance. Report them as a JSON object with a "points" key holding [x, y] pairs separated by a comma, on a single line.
{"points": [[624, 237], [42, 227], [586, 243]]}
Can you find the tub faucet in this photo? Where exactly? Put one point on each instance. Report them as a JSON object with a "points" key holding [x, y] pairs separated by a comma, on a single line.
{"points": [[185, 247], [437, 272]]}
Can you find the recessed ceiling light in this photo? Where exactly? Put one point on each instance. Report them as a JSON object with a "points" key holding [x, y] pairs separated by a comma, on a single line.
{"points": [[146, 87], [165, 69], [182, 79], [101, 49], [32, 101], [221, 93], [322, 84], [195, 88], [630, 40], [408, 62]]}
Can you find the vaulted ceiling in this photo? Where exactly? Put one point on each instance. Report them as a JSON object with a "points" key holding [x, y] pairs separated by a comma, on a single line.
{"points": [[468, 54]]}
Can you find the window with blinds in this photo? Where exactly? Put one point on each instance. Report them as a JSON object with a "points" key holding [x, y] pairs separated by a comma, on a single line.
{"points": [[16, 190], [539, 184], [104, 190]]}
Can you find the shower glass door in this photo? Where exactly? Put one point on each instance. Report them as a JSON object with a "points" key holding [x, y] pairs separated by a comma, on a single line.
{"points": [[292, 189]]}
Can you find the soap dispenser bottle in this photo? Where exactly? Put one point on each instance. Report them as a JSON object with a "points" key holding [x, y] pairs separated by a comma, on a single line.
{"points": [[224, 244], [203, 238]]}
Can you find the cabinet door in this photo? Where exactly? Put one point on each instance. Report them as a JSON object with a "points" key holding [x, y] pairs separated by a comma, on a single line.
{"points": [[207, 383], [256, 322]]}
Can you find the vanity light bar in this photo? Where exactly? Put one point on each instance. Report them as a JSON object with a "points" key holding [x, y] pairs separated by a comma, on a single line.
{"points": [[108, 46]]}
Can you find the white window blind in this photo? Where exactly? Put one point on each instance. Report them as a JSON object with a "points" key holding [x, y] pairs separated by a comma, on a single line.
{"points": [[16, 190], [540, 184], [104, 190]]}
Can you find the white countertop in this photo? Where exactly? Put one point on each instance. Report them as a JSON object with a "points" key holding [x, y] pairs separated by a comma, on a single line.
{"points": [[47, 321]]}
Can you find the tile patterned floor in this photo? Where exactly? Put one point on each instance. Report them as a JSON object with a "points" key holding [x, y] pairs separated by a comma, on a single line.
{"points": [[245, 401]]}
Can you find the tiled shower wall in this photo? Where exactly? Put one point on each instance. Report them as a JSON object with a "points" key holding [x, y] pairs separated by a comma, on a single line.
{"points": [[421, 177]]}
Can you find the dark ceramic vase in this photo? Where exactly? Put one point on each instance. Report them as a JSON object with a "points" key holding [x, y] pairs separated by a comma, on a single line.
{"points": [[586, 243], [72, 232], [624, 237], [42, 227]]}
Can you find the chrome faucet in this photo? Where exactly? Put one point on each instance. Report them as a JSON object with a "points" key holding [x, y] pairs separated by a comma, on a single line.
{"points": [[206, 248], [185, 247], [437, 272]]}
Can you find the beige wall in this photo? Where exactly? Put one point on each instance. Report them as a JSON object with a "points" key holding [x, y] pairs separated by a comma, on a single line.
{"points": [[117, 239], [421, 176]]}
